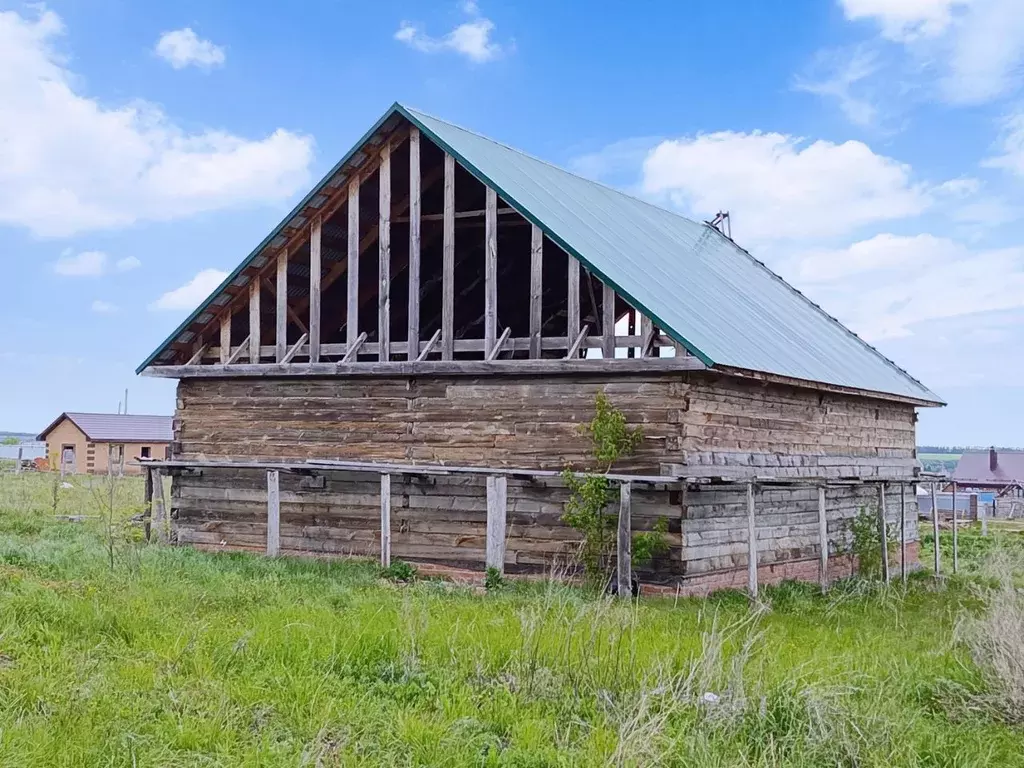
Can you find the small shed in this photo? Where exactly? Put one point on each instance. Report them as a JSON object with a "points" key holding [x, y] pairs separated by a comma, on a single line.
{"points": [[402, 366], [87, 443]]}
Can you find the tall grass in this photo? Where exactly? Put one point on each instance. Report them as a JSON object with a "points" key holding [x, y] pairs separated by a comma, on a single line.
{"points": [[189, 659]]}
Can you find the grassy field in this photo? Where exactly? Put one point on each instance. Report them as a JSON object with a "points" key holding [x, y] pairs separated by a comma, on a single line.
{"points": [[114, 653]]}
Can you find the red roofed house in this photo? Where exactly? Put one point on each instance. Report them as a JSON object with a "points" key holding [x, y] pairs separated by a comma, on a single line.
{"points": [[992, 470], [87, 442]]}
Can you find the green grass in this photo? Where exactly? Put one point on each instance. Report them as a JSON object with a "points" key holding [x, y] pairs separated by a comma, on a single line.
{"points": [[179, 658]]}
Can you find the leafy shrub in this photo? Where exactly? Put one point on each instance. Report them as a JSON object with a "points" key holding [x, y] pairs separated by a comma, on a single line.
{"points": [[493, 579], [399, 570], [651, 544], [867, 542]]}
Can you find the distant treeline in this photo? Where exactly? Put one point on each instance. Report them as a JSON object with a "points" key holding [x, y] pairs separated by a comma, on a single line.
{"points": [[959, 448]]}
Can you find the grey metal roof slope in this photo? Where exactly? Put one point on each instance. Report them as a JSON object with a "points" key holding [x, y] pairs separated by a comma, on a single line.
{"points": [[726, 307], [118, 427]]}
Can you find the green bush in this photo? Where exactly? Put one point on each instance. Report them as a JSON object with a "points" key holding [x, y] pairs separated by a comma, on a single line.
{"points": [[399, 570]]}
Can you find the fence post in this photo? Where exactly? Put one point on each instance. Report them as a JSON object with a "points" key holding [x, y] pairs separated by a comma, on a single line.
{"points": [[883, 532], [273, 513], [385, 520], [822, 540], [903, 532], [17, 467], [935, 531], [147, 500], [159, 509], [624, 561], [983, 516], [751, 544], [956, 538], [497, 506]]}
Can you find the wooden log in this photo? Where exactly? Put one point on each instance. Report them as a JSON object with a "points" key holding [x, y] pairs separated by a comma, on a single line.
{"points": [[352, 257], [353, 348], [624, 543], [935, 531], [448, 262], [648, 334], [254, 321], [314, 290], [607, 321], [536, 288], [385, 520], [273, 514], [822, 540], [573, 299], [414, 244], [956, 541], [384, 251], [159, 508], [490, 271], [225, 337], [903, 532], [497, 507], [147, 503], [198, 355], [883, 533], [281, 313], [751, 544]]}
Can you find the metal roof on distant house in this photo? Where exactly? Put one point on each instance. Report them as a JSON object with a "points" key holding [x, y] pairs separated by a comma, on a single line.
{"points": [[991, 467], [118, 427], [697, 285]]}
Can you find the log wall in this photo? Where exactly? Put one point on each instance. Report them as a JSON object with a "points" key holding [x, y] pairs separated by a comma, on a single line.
{"points": [[700, 421]]}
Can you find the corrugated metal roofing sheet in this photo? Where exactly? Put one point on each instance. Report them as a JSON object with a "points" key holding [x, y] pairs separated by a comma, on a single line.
{"points": [[119, 427], [724, 305]]}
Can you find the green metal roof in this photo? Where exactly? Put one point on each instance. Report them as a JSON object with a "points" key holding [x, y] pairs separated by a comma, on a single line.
{"points": [[697, 285]]}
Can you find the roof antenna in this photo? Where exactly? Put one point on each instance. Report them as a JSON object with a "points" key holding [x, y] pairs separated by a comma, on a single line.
{"points": [[722, 223]]}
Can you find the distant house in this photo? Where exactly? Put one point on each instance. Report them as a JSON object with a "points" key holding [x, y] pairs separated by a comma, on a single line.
{"points": [[86, 443], [992, 470]]}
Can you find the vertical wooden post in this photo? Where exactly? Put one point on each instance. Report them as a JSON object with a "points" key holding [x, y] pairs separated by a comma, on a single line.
{"points": [[536, 289], [935, 531], [956, 539], [273, 514], [607, 321], [624, 560], [903, 532], [225, 337], [751, 544], [983, 516], [448, 262], [17, 466], [314, 290], [822, 540], [883, 533], [646, 331], [254, 319], [497, 506], [414, 244], [384, 250], [352, 298], [147, 503], [490, 271], [281, 325], [573, 301], [159, 508], [385, 520]]}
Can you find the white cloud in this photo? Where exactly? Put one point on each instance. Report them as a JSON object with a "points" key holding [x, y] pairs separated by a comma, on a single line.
{"points": [[780, 187], [103, 307], [191, 295], [471, 39], [127, 264], [182, 48], [70, 164], [84, 264], [837, 75], [1011, 146], [904, 20]]}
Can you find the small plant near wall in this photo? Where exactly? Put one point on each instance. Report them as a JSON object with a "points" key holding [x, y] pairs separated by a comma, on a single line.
{"points": [[591, 494], [866, 543]]}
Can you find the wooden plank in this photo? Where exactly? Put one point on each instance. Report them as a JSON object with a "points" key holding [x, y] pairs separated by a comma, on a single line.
{"points": [[385, 520], [384, 253], [200, 351], [254, 321], [984, 518], [314, 290], [624, 544], [160, 523], [935, 532], [574, 348], [429, 347], [822, 540], [956, 542], [241, 350], [353, 348], [573, 299], [751, 544], [414, 244], [903, 532], [490, 271], [352, 299], [536, 288], [294, 349], [147, 503], [648, 333], [497, 507], [883, 533], [448, 262], [273, 513], [281, 315], [225, 337], [607, 321], [499, 344]]}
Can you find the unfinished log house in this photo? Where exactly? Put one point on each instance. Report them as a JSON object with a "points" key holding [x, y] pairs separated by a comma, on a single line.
{"points": [[436, 318]]}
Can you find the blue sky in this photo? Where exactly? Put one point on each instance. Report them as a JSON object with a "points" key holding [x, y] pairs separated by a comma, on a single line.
{"points": [[870, 151]]}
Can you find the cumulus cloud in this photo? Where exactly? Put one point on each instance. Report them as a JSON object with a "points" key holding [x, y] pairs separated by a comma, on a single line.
{"points": [[191, 294], [92, 264], [472, 39], [127, 264], [905, 20], [183, 47], [69, 163], [780, 187]]}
